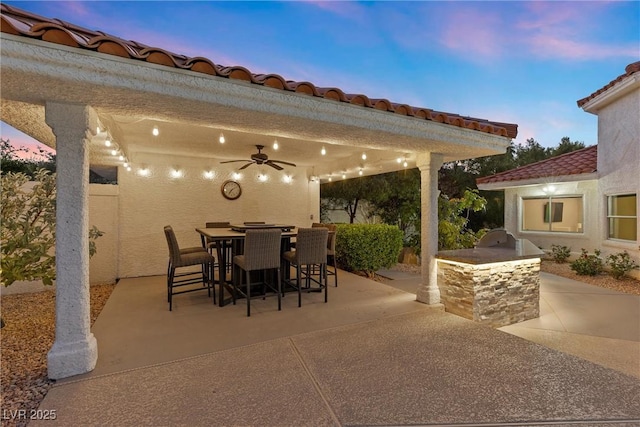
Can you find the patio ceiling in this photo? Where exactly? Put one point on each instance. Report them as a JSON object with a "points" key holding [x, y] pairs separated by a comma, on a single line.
{"points": [[191, 109]]}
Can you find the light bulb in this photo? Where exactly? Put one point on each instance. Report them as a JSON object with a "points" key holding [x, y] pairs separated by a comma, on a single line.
{"points": [[364, 156], [287, 178], [221, 139], [155, 131], [399, 160], [330, 179], [107, 143], [405, 164], [360, 172], [236, 175], [125, 165], [128, 168], [121, 158], [262, 177], [275, 145], [114, 152], [208, 174], [323, 151], [344, 176]]}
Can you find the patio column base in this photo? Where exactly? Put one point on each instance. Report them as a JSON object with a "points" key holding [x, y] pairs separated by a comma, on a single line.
{"points": [[72, 358]]}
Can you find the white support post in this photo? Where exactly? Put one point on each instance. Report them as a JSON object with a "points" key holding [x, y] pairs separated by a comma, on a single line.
{"points": [[75, 350], [429, 164]]}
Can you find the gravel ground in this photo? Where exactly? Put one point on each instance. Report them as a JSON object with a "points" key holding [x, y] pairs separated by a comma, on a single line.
{"points": [[25, 340]]}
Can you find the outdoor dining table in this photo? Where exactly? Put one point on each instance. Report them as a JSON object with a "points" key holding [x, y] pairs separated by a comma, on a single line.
{"points": [[235, 236]]}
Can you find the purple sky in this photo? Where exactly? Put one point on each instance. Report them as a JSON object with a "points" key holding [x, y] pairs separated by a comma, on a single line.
{"points": [[520, 62]]}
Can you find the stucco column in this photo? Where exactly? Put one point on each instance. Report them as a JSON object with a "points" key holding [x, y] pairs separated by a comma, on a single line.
{"points": [[429, 164], [75, 350]]}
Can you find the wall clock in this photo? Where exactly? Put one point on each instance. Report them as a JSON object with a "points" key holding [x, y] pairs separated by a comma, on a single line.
{"points": [[231, 190]]}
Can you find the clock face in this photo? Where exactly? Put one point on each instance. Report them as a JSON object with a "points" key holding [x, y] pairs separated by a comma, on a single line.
{"points": [[231, 190]]}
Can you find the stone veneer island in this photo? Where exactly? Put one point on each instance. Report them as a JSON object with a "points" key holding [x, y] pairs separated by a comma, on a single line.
{"points": [[497, 283]]}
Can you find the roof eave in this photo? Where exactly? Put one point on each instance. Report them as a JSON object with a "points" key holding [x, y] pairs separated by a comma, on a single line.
{"points": [[619, 90], [502, 185]]}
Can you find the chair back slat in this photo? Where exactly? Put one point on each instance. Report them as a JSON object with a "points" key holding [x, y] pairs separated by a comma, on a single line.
{"points": [[262, 249], [311, 245]]}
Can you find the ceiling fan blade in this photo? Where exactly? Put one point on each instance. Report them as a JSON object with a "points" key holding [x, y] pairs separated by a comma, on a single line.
{"points": [[247, 165], [284, 163], [273, 165], [234, 161]]}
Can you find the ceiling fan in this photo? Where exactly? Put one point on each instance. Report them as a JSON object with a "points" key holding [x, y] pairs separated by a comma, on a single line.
{"points": [[260, 158]]}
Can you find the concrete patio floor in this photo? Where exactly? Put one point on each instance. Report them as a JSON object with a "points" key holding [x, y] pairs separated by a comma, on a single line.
{"points": [[371, 356]]}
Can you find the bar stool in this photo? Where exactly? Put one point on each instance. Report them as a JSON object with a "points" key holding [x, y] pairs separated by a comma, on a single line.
{"points": [[311, 251]]}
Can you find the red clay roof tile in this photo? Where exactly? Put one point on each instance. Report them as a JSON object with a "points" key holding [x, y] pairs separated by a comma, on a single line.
{"points": [[574, 163], [22, 23], [629, 69]]}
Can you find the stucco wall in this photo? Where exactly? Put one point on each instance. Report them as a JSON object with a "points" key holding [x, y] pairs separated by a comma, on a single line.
{"points": [[592, 227], [148, 203], [103, 213], [619, 161]]}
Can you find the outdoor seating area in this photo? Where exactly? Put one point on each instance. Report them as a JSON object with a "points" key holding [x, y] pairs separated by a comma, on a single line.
{"points": [[236, 259]]}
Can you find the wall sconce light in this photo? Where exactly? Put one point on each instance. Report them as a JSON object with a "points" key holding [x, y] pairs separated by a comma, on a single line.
{"points": [[287, 179], [262, 177], [144, 171], [236, 175], [221, 138], [176, 173], [313, 178], [549, 189], [209, 174], [155, 131]]}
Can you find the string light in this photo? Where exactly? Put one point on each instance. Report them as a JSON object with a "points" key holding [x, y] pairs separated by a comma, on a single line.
{"points": [[323, 151], [275, 145], [364, 156], [107, 143], [221, 138], [114, 152], [155, 131]]}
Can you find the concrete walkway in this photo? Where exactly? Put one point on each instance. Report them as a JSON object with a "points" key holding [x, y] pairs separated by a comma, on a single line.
{"points": [[371, 356]]}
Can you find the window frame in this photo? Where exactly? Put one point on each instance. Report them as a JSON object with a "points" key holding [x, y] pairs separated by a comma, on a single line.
{"points": [[608, 217], [551, 199]]}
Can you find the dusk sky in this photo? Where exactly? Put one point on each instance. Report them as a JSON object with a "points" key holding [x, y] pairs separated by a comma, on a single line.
{"points": [[519, 62]]}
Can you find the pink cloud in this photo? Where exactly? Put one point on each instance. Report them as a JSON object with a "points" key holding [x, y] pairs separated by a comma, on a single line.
{"points": [[474, 33]]}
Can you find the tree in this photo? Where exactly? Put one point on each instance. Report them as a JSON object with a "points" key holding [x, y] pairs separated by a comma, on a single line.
{"points": [[22, 159], [28, 227], [453, 218], [348, 193]]}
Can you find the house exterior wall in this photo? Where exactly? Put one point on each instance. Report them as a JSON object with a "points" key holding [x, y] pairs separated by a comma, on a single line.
{"points": [[148, 203], [103, 213], [619, 162], [592, 205]]}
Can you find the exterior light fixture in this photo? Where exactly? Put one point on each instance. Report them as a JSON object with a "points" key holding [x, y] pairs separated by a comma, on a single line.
{"points": [[262, 177], [275, 144], [236, 175], [221, 138], [323, 151], [176, 173], [114, 152], [155, 131], [549, 189], [121, 158], [287, 179], [107, 143], [143, 171], [364, 156]]}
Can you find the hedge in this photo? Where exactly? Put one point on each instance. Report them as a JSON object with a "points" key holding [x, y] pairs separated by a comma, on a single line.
{"points": [[367, 247]]}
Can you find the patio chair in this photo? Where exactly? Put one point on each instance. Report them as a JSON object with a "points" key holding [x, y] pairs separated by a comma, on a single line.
{"points": [[311, 251], [261, 253], [185, 258], [331, 250], [218, 246]]}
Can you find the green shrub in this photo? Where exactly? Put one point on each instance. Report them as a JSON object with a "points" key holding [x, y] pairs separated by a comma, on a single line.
{"points": [[620, 264], [368, 247], [588, 264], [560, 254]]}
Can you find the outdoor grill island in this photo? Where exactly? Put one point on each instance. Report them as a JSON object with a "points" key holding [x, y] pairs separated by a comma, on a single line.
{"points": [[497, 283]]}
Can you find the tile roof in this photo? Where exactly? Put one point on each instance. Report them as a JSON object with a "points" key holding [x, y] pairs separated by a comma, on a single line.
{"points": [[629, 70], [574, 163], [22, 23]]}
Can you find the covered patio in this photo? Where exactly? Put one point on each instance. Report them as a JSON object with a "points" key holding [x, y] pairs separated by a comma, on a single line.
{"points": [[163, 116], [372, 356]]}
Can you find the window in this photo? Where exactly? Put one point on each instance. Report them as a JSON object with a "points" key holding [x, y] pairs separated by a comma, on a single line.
{"points": [[622, 217], [552, 214]]}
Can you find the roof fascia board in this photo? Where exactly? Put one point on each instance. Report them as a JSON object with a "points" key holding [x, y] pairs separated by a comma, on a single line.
{"points": [[619, 90], [490, 186], [126, 74]]}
